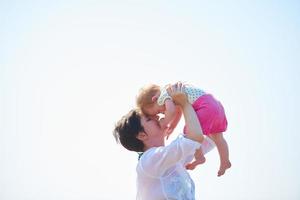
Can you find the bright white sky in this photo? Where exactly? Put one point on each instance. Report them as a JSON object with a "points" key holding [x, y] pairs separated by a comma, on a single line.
{"points": [[70, 70]]}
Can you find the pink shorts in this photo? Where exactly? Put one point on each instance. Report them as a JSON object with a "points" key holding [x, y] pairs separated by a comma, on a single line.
{"points": [[211, 114]]}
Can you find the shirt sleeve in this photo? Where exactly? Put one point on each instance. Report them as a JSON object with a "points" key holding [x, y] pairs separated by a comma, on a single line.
{"points": [[207, 145], [158, 160]]}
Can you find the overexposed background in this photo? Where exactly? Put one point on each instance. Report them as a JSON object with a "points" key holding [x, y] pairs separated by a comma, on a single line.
{"points": [[70, 69]]}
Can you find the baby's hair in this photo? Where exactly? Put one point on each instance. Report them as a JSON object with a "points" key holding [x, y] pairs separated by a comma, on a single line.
{"points": [[144, 97]]}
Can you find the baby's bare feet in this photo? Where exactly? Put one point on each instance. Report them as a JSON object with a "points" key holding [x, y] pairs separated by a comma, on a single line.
{"points": [[224, 166], [193, 164]]}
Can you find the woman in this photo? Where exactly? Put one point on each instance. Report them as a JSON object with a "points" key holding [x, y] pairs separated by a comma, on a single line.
{"points": [[161, 172]]}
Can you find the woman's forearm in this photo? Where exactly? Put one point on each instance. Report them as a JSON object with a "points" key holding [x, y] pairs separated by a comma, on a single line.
{"points": [[194, 130]]}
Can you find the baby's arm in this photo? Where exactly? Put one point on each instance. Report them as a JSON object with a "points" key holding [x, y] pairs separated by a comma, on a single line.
{"points": [[170, 113], [176, 117], [172, 125]]}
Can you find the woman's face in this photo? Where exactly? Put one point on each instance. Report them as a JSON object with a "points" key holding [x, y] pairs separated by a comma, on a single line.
{"points": [[151, 126]]}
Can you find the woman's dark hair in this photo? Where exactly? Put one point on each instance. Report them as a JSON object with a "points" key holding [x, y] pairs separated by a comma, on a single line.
{"points": [[127, 129]]}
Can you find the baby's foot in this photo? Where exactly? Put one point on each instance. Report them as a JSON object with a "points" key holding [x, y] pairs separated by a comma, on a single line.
{"points": [[193, 164], [224, 166]]}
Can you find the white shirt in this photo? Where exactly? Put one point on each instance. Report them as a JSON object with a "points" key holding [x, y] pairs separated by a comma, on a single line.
{"points": [[161, 172]]}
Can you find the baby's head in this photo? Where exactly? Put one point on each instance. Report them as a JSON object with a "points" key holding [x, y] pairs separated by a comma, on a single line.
{"points": [[146, 100]]}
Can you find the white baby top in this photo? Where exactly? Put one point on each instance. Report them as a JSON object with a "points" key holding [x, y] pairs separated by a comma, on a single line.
{"points": [[193, 93], [161, 172]]}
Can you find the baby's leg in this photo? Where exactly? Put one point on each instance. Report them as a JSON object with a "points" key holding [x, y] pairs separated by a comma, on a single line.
{"points": [[223, 152], [199, 159]]}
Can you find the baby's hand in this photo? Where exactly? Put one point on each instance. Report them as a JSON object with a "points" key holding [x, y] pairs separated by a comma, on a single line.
{"points": [[169, 130], [162, 123]]}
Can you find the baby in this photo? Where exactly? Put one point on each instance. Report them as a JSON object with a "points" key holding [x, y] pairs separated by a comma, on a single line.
{"points": [[153, 100]]}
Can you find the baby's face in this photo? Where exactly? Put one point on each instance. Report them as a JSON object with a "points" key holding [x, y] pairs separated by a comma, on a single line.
{"points": [[155, 109]]}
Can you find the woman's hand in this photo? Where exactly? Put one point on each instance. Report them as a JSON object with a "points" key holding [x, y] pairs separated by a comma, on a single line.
{"points": [[176, 91]]}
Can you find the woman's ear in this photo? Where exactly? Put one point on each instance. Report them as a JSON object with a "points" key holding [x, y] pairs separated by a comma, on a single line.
{"points": [[142, 136]]}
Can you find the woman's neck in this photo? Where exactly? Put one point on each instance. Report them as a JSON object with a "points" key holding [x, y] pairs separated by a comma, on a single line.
{"points": [[154, 144]]}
